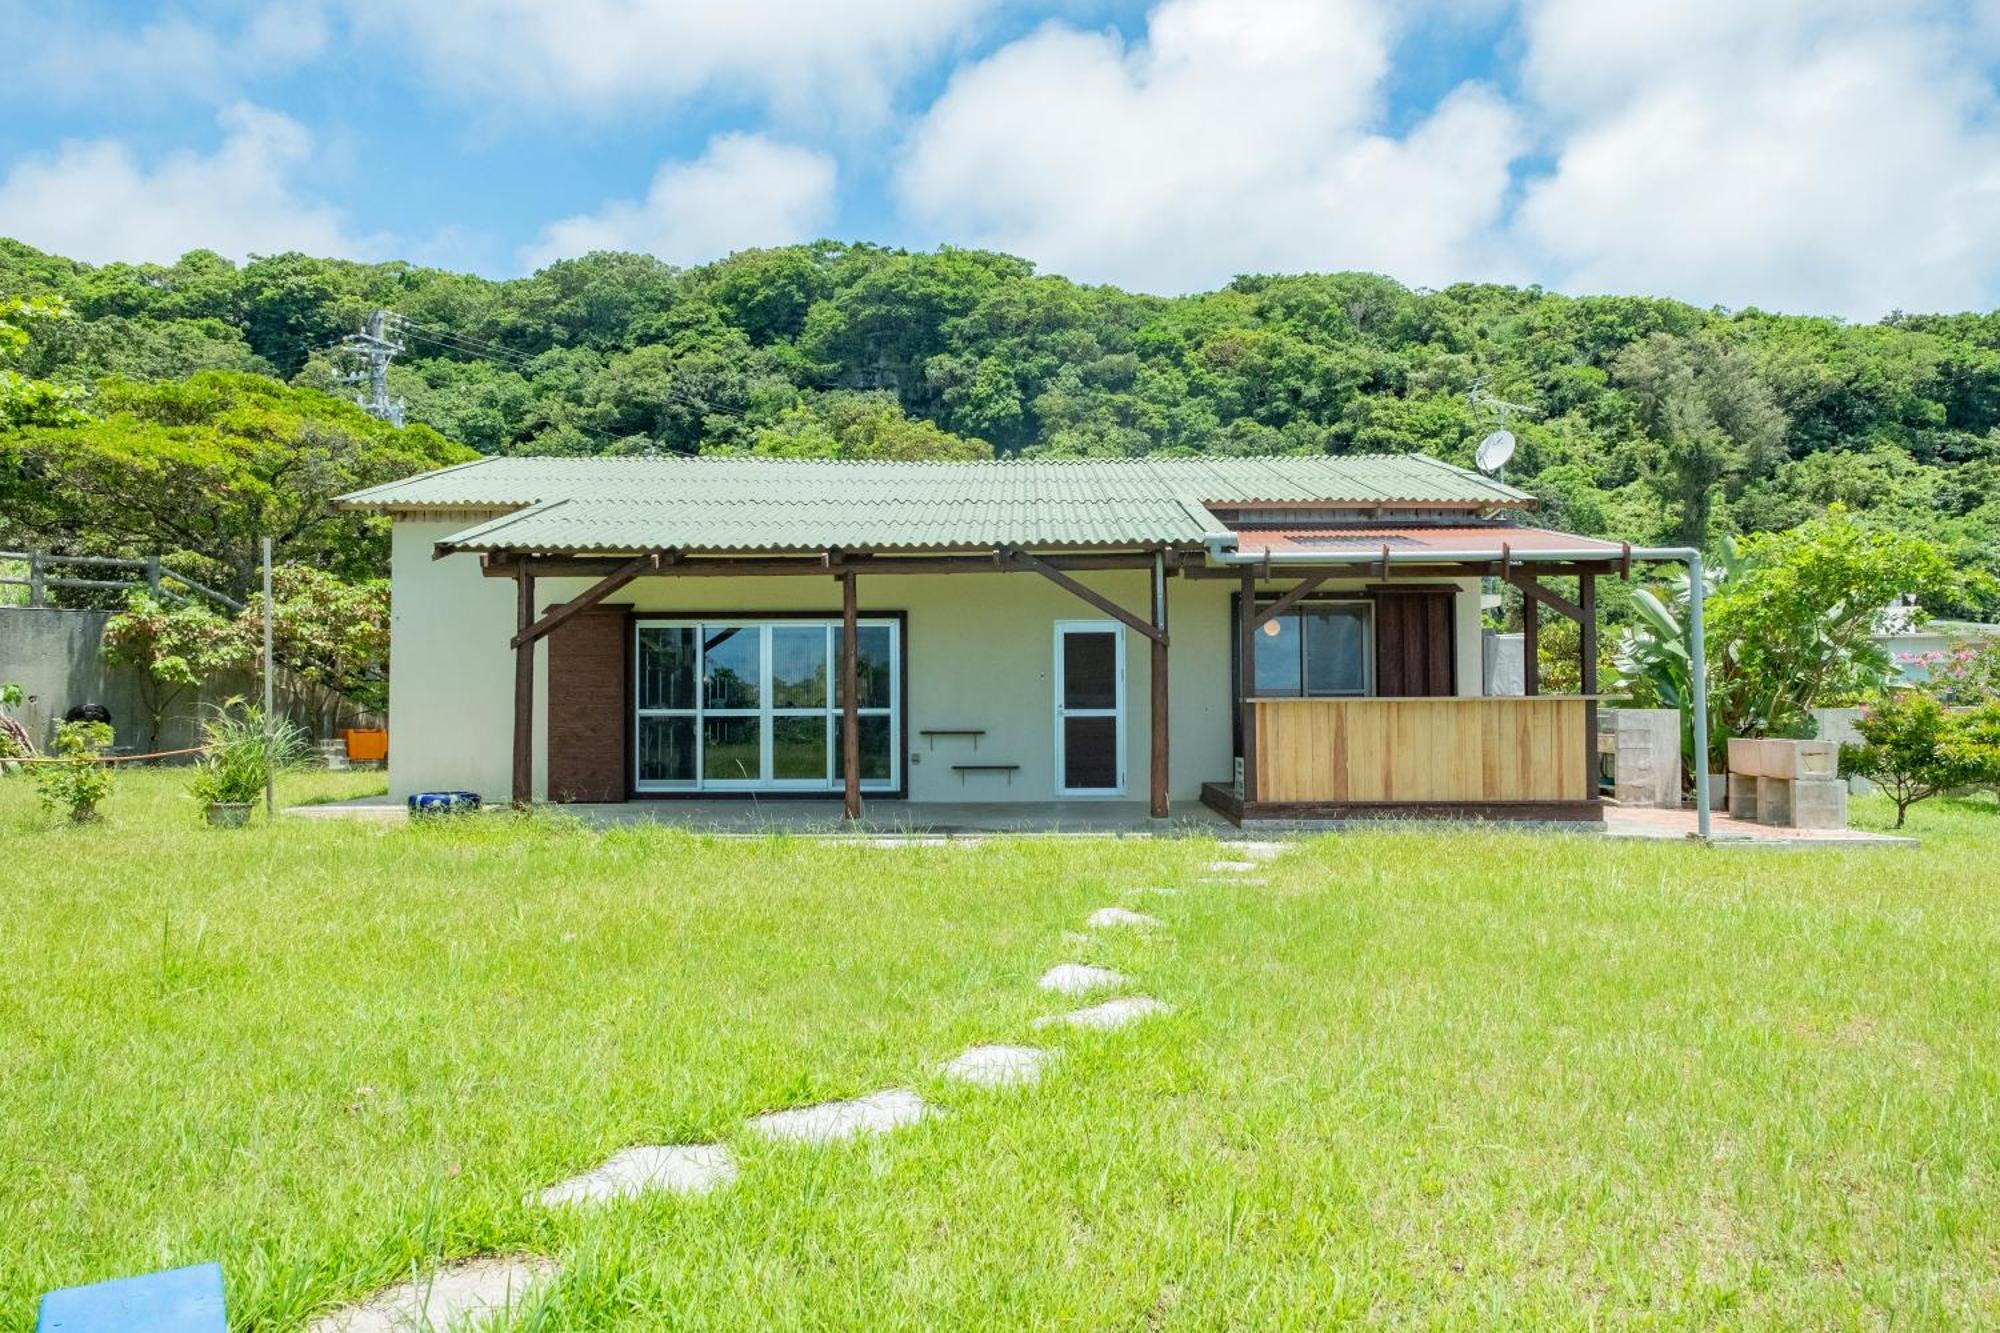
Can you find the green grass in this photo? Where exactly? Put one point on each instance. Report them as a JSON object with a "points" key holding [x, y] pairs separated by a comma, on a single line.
{"points": [[1424, 1078]]}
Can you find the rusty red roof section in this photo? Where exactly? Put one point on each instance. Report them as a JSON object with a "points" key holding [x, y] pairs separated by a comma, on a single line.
{"points": [[1421, 537]]}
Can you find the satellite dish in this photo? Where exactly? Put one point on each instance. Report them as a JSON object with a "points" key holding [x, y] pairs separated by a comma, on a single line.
{"points": [[1494, 451]]}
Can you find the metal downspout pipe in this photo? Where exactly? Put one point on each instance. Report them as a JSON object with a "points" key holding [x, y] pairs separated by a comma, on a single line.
{"points": [[1223, 551]]}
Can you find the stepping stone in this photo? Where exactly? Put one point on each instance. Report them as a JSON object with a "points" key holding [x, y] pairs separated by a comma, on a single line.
{"points": [[450, 1297], [1079, 979], [1235, 867], [1260, 851], [684, 1168], [1113, 918], [998, 1066], [877, 1113], [1111, 1014]]}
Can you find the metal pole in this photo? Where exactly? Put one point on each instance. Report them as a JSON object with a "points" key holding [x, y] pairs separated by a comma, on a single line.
{"points": [[1697, 649], [270, 694]]}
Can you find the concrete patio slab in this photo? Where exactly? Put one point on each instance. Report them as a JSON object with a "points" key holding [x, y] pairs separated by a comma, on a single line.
{"points": [[688, 1168], [1724, 831], [450, 1297], [829, 1122], [1079, 979], [1110, 1015], [999, 1066]]}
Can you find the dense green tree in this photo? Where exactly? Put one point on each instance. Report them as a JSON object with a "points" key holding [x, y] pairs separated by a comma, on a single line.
{"points": [[1649, 419], [208, 466]]}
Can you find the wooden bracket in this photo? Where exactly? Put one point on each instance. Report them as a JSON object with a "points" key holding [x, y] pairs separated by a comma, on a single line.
{"points": [[589, 597], [1555, 601], [1091, 595], [1288, 601]]}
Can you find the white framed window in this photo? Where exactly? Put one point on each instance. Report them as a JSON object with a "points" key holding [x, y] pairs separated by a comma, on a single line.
{"points": [[735, 705]]}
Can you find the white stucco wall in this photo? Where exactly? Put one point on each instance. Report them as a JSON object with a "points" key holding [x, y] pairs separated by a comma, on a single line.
{"points": [[981, 653]]}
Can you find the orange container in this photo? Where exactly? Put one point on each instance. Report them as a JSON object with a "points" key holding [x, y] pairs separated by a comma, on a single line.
{"points": [[367, 744]]}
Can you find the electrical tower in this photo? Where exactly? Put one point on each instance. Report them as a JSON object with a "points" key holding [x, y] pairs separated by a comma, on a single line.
{"points": [[377, 348]]}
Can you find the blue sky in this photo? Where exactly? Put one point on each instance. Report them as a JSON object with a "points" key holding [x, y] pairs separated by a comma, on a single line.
{"points": [[1833, 156]]}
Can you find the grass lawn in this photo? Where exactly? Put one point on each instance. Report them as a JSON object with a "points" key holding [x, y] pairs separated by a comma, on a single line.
{"points": [[1427, 1078]]}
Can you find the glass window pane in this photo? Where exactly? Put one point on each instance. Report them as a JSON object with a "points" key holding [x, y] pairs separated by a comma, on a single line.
{"points": [[666, 749], [732, 667], [1090, 669], [798, 747], [875, 647], [666, 667], [876, 739], [1277, 656], [798, 666], [1336, 650], [1090, 753], [732, 749]]}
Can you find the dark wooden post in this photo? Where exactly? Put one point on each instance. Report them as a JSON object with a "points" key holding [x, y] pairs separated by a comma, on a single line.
{"points": [[1246, 677], [524, 686], [1531, 645], [850, 685], [1160, 806], [1586, 601]]}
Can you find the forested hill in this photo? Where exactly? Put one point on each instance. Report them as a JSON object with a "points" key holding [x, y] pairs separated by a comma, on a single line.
{"points": [[1650, 419]]}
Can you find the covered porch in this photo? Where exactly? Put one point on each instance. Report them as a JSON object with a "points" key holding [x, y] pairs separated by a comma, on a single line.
{"points": [[1416, 743]]}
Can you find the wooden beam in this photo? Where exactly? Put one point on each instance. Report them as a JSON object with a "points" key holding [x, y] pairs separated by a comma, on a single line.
{"points": [[1246, 680], [1531, 587], [1531, 646], [850, 702], [1289, 600], [588, 598], [1586, 596], [1091, 595], [1160, 794], [524, 687]]}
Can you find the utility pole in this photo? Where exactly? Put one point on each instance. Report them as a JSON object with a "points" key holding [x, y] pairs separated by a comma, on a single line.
{"points": [[270, 695], [376, 347]]}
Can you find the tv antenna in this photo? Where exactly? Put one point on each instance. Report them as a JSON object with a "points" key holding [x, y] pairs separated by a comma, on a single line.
{"points": [[1498, 447], [377, 348]]}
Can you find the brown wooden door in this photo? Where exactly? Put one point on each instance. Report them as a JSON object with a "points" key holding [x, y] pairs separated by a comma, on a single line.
{"points": [[1415, 643], [589, 703]]}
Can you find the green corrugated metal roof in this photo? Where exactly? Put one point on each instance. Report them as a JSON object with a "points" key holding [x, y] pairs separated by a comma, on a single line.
{"points": [[765, 504]]}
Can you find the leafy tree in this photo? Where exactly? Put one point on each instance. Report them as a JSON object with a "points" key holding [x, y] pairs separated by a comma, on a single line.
{"points": [[1910, 749], [25, 401], [331, 638], [209, 466], [173, 649], [1974, 745], [1790, 623], [1708, 416]]}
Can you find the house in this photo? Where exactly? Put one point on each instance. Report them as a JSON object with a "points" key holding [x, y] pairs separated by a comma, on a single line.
{"points": [[619, 629]]}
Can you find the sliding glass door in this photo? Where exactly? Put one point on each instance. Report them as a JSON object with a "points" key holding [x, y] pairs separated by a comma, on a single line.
{"points": [[748, 705]]}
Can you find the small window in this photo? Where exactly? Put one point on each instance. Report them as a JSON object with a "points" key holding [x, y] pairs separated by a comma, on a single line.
{"points": [[1315, 651]]}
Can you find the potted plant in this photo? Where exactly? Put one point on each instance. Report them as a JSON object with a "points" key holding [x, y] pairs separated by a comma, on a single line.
{"points": [[239, 755]]}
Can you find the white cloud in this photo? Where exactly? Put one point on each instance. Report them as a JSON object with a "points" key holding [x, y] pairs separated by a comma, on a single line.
{"points": [[804, 57], [1235, 137], [1830, 156], [95, 201], [63, 56], [744, 190]]}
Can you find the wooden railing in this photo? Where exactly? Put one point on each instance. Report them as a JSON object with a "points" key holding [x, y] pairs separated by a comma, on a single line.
{"points": [[1476, 750], [151, 574]]}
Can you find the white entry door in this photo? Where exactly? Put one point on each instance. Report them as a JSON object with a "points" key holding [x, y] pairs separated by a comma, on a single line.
{"points": [[1090, 708]]}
